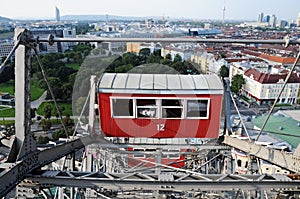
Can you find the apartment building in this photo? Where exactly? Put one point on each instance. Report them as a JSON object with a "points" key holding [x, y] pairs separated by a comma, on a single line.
{"points": [[5, 48], [185, 54], [264, 87]]}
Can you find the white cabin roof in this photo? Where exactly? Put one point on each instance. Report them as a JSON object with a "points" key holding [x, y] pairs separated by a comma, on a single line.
{"points": [[159, 83]]}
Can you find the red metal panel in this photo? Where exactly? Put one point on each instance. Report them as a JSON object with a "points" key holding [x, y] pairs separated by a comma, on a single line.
{"points": [[160, 128]]}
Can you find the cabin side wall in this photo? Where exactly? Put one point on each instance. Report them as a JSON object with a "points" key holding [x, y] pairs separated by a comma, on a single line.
{"points": [[160, 128]]}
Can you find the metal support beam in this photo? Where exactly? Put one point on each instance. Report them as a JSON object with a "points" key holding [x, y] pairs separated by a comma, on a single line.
{"points": [[92, 115], [283, 159], [24, 144], [176, 181], [286, 41], [12, 173]]}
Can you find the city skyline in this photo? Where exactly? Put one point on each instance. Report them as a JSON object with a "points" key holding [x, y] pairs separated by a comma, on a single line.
{"points": [[194, 9]]}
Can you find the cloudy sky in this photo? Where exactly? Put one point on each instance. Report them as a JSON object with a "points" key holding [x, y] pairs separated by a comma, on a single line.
{"points": [[198, 9]]}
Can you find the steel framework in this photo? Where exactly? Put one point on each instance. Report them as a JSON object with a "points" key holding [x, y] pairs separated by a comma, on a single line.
{"points": [[24, 158]]}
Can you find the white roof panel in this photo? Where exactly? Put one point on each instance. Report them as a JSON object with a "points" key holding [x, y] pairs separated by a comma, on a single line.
{"points": [[212, 81], [133, 80], [187, 82], [107, 80], [120, 80], [200, 82], [160, 83], [173, 82], [146, 81]]}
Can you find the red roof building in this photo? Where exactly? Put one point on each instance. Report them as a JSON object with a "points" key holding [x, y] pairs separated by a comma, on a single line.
{"points": [[265, 87]]}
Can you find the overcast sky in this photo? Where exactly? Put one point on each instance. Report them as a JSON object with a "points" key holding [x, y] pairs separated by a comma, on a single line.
{"points": [[198, 9]]}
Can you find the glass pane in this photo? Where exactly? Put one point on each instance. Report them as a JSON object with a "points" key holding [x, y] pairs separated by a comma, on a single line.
{"points": [[122, 107], [197, 108], [171, 102], [171, 112], [145, 102]]}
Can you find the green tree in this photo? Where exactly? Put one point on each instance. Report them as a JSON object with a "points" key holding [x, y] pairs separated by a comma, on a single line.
{"points": [[46, 124], [8, 73], [55, 84], [224, 71], [237, 83], [130, 58], [168, 56], [42, 140], [153, 59], [78, 57], [123, 68], [47, 111], [58, 134], [177, 58], [179, 67], [189, 68], [63, 73], [68, 122], [165, 61], [67, 90], [144, 53]]}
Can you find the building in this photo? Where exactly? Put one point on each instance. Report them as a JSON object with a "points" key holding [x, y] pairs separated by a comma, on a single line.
{"points": [[239, 66], [57, 14], [135, 47], [298, 20], [204, 61], [279, 57], [285, 125], [5, 48], [185, 54], [264, 88], [68, 33], [6, 99], [283, 24], [260, 17], [45, 47], [266, 19], [273, 21]]}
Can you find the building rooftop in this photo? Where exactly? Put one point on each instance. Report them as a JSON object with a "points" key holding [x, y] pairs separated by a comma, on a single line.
{"points": [[267, 78], [282, 127]]}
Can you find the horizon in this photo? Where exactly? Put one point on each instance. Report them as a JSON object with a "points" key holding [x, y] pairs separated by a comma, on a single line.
{"points": [[125, 16], [178, 9]]}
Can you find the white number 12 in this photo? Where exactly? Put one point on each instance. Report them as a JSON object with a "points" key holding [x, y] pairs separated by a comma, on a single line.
{"points": [[160, 127]]}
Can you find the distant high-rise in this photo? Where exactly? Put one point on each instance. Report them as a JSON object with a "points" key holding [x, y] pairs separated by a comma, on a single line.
{"points": [[298, 20], [273, 21], [260, 17], [266, 19], [57, 14]]}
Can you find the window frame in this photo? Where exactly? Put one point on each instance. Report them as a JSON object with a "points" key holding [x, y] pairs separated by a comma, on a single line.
{"points": [[177, 107], [207, 108], [159, 107], [112, 108]]}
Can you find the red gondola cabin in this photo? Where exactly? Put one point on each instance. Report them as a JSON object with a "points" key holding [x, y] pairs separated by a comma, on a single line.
{"points": [[160, 105]]}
